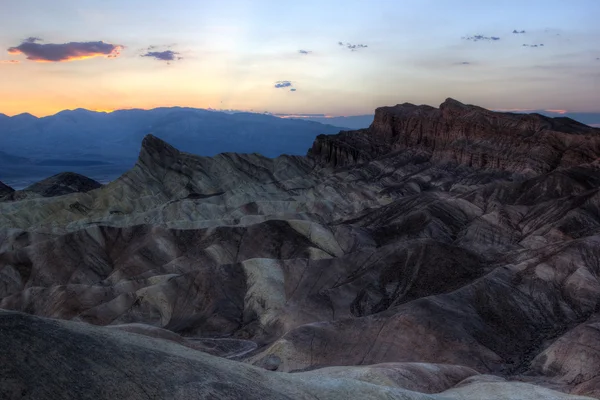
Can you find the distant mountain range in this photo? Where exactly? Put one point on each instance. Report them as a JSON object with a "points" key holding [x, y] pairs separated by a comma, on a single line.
{"points": [[350, 122], [82, 134], [104, 145]]}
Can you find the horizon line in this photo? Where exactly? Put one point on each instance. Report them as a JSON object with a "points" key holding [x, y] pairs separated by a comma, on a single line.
{"points": [[283, 115], [224, 110]]}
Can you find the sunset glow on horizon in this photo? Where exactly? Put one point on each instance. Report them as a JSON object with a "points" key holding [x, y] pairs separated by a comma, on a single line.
{"points": [[346, 59]]}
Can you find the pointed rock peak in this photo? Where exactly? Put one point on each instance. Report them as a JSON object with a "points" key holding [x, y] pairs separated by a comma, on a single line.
{"points": [[156, 151], [153, 144], [5, 189], [451, 103]]}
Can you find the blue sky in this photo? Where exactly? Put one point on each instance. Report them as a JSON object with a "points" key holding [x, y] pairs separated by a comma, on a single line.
{"points": [[233, 54]]}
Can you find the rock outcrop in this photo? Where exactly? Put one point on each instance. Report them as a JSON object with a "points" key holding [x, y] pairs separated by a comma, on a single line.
{"points": [[441, 253], [466, 135], [63, 183], [4, 189]]}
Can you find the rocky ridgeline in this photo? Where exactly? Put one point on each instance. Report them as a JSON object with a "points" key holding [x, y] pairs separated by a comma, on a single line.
{"points": [[466, 135]]}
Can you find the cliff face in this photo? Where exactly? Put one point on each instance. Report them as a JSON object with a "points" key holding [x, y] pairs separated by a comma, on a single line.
{"points": [[466, 135]]}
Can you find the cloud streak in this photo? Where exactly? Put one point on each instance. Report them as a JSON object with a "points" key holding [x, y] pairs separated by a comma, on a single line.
{"points": [[477, 38], [61, 52], [304, 52], [533, 45], [282, 84], [353, 47], [9, 61], [516, 32]]}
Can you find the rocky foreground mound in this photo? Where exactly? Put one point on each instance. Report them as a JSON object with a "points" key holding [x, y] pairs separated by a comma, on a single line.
{"points": [[63, 183], [56, 185], [440, 254]]}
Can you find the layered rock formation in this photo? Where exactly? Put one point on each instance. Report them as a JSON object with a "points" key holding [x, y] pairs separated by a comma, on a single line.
{"points": [[466, 135], [441, 253]]}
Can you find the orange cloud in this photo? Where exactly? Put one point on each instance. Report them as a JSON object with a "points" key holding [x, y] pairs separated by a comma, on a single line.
{"points": [[53, 52]]}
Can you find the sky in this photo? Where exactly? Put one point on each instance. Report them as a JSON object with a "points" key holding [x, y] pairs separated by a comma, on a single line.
{"points": [[296, 57]]}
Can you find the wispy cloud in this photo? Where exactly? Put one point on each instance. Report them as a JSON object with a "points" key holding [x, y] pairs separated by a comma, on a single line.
{"points": [[167, 55], [9, 61], [57, 52], [516, 32], [292, 89], [477, 38], [534, 45], [282, 84], [353, 47], [464, 63], [304, 51]]}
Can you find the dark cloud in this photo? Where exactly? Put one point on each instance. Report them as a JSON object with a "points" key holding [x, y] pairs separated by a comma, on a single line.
{"points": [[167, 55], [464, 63], [282, 84], [477, 38], [534, 45], [53, 52], [304, 51], [518, 32], [341, 43], [292, 89], [32, 39]]}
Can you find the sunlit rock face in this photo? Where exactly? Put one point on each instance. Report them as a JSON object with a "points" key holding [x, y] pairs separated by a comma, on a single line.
{"points": [[442, 253]]}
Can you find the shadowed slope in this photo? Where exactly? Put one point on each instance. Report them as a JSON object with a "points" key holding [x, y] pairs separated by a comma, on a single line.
{"points": [[90, 363]]}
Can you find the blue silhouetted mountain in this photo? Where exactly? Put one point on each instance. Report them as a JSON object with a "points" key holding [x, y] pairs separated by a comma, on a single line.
{"points": [[104, 145], [73, 134]]}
